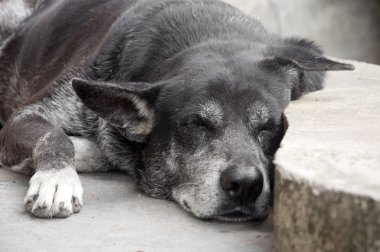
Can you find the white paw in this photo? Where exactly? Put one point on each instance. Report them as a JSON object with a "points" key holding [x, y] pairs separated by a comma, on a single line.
{"points": [[54, 193]]}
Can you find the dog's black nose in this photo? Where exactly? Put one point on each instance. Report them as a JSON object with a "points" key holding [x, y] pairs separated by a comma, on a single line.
{"points": [[241, 184]]}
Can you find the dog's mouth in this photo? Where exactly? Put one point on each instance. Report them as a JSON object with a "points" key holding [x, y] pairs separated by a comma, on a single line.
{"points": [[235, 216]]}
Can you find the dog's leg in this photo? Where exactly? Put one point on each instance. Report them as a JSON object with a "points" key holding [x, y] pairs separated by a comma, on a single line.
{"points": [[88, 156], [28, 139]]}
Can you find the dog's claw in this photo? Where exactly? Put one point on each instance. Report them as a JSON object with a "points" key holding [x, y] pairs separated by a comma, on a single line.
{"points": [[77, 206]]}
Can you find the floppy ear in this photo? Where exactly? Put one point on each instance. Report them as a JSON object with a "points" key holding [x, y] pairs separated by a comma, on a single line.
{"points": [[304, 64], [127, 106]]}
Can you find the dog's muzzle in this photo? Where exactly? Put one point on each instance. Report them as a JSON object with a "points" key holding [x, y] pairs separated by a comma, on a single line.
{"points": [[242, 187]]}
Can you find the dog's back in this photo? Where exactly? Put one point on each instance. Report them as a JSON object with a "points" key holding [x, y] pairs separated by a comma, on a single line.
{"points": [[60, 36]]}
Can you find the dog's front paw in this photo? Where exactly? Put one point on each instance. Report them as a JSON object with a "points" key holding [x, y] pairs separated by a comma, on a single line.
{"points": [[54, 193]]}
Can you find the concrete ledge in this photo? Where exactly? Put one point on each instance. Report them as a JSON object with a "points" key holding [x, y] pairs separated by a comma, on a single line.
{"points": [[327, 190]]}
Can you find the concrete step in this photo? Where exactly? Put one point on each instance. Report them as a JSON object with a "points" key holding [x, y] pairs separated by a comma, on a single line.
{"points": [[327, 189]]}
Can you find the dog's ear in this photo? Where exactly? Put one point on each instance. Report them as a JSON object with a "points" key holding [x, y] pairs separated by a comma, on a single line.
{"points": [[127, 106], [304, 62], [305, 59]]}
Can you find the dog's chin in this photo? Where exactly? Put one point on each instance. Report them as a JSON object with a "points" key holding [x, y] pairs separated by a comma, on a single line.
{"points": [[236, 216], [239, 216]]}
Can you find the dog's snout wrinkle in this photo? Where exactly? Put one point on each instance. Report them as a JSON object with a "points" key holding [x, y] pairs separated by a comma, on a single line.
{"points": [[240, 185]]}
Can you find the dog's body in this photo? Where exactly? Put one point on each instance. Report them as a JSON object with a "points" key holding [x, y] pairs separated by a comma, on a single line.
{"points": [[197, 109]]}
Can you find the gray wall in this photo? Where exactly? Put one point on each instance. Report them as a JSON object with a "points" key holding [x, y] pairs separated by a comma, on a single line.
{"points": [[345, 28]]}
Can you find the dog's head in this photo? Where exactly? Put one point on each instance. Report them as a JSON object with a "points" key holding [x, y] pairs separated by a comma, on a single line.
{"points": [[211, 123]]}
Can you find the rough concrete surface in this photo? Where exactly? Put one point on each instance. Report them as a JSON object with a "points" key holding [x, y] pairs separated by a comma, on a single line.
{"points": [[117, 217], [327, 190]]}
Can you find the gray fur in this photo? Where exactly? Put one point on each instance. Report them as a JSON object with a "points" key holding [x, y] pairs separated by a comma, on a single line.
{"points": [[213, 112], [258, 114]]}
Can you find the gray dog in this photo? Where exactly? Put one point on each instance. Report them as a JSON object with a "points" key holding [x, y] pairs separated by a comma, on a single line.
{"points": [[187, 96]]}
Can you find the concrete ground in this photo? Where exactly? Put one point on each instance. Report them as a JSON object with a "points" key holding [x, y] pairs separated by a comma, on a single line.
{"points": [[117, 217]]}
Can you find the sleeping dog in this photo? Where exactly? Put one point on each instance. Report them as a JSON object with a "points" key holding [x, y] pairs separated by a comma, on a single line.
{"points": [[186, 96]]}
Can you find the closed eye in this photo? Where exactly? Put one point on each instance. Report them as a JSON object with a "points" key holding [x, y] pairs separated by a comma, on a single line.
{"points": [[203, 123], [264, 133], [199, 122], [270, 138], [267, 127]]}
